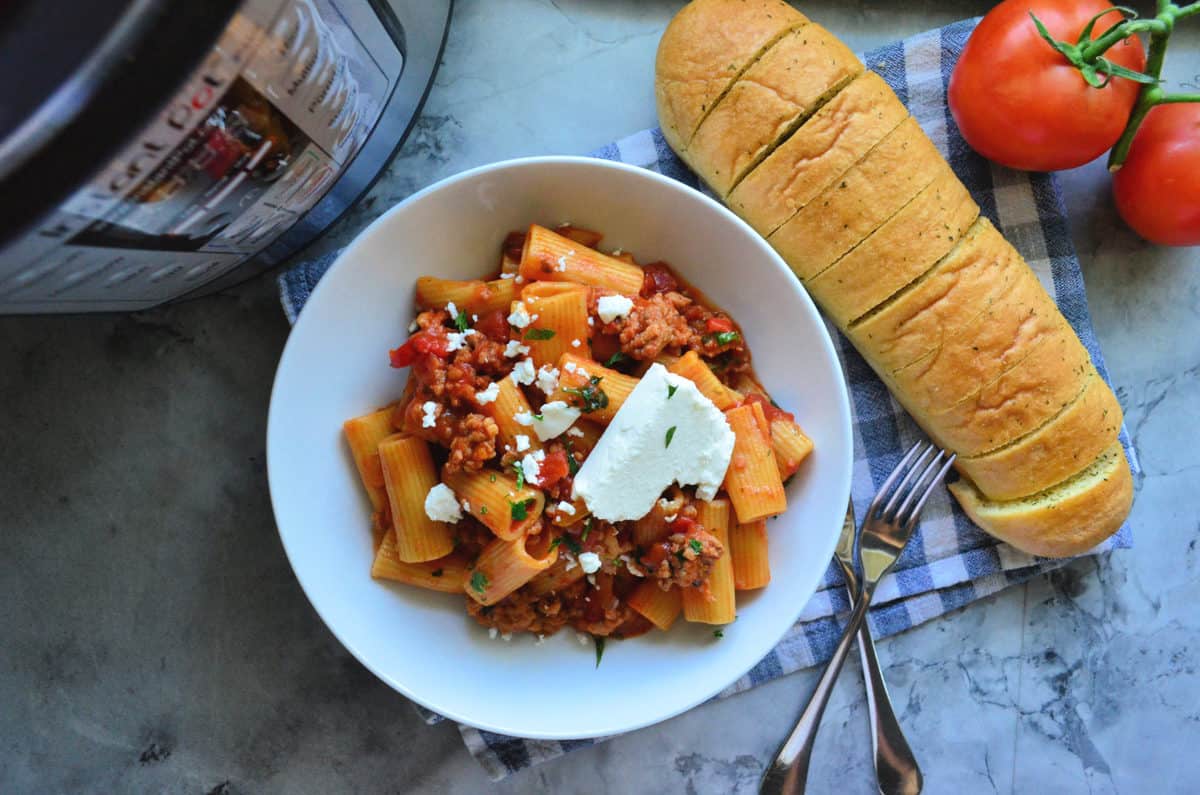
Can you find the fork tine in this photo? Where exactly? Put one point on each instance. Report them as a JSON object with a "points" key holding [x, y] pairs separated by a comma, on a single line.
{"points": [[903, 488], [887, 484], [911, 518], [919, 487]]}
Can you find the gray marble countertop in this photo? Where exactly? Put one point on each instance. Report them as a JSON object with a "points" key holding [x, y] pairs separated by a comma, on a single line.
{"points": [[155, 640]]}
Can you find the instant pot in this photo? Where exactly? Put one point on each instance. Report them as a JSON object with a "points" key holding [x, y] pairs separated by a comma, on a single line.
{"points": [[151, 150]]}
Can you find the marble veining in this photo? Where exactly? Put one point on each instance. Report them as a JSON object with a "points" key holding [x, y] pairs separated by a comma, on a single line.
{"points": [[155, 640]]}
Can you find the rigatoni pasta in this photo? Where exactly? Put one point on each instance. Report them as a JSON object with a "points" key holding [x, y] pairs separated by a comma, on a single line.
{"points": [[560, 367]]}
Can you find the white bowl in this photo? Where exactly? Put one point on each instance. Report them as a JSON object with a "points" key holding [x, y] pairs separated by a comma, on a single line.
{"points": [[335, 366]]}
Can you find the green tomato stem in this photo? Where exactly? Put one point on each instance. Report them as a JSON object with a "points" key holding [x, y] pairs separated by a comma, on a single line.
{"points": [[1118, 33], [1182, 12], [1151, 95], [1167, 99]]}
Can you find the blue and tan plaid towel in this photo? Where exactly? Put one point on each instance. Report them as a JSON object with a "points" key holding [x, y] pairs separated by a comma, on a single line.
{"points": [[950, 562]]}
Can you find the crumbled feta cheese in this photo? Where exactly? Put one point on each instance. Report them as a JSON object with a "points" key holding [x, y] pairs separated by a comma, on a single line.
{"points": [[514, 348], [474, 318], [664, 503], [429, 412], [570, 561], [507, 275], [530, 467], [547, 379], [523, 418], [566, 507], [569, 367], [523, 372], [541, 639], [457, 339], [575, 343], [441, 505], [413, 326], [493, 632], [671, 518], [506, 637], [589, 562], [519, 317], [591, 320], [533, 318], [582, 638], [591, 578], [522, 442], [617, 252], [533, 299], [562, 263], [633, 569], [488, 395], [519, 279], [557, 416], [451, 310], [611, 307], [467, 506], [578, 434], [631, 465]]}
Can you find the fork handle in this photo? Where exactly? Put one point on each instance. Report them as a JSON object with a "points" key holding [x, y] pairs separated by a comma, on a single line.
{"points": [[896, 768], [789, 771]]}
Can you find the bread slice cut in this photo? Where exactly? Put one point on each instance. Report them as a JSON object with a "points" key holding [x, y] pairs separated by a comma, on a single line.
{"points": [[939, 305], [1066, 519], [899, 251], [1019, 401], [854, 206], [1053, 452], [707, 46], [998, 339], [823, 148], [775, 95]]}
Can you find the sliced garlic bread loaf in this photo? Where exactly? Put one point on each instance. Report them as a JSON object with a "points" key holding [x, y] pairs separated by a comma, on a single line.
{"points": [[828, 165]]}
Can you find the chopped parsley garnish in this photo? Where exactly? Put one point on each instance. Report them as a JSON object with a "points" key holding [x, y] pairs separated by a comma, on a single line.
{"points": [[539, 334], [679, 556], [671, 390], [520, 475], [599, 643], [572, 462], [538, 417], [520, 510], [587, 527], [572, 545], [554, 544], [483, 510], [696, 546], [436, 573], [591, 396], [726, 337], [492, 478], [718, 633], [479, 582], [460, 321], [670, 436], [615, 359]]}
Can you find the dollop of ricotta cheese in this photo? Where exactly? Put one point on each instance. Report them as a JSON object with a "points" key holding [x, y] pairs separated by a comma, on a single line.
{"points": [[665, 432]]}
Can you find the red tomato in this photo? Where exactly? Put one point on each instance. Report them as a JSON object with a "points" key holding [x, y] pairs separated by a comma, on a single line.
{"points": [[1021, 103], [717, 324], [1158, 190], [658, 279], [419, 343], [493, 325], [553, 468]]}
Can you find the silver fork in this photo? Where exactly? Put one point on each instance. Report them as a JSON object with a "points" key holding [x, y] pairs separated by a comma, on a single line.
{"points": [[885, 532], [896, 769]]}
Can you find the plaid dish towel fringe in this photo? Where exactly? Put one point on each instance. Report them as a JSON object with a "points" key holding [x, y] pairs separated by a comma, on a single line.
{"points": [[950, 562]]}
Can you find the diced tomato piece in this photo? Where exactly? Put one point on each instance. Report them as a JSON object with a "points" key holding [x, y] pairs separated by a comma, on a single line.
{"points": [[493, 325], [770, 411], [682, 524], [419, 343], [716, 324], [553, 468], [658, 279]]}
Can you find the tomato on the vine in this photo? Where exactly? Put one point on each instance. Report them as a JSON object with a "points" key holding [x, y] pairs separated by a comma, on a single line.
{"points": [[1021, 103], [1158, 188]]}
